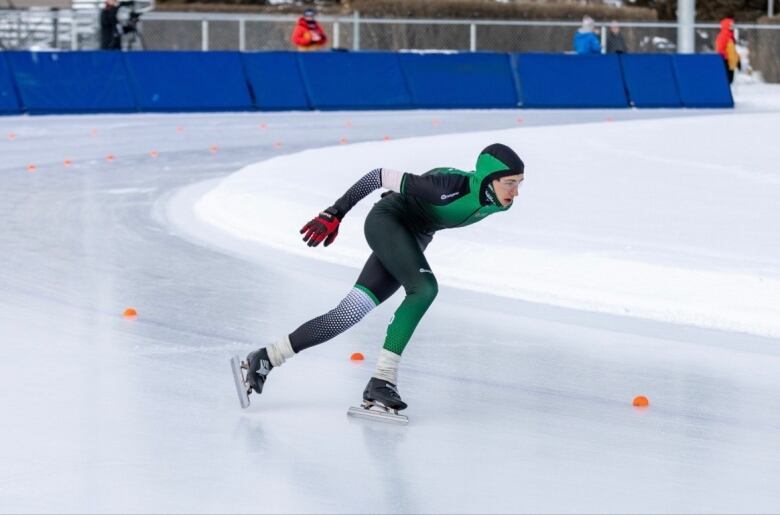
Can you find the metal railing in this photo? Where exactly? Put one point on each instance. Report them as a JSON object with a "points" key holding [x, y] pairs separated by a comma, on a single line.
{"points": [[246, 32]]}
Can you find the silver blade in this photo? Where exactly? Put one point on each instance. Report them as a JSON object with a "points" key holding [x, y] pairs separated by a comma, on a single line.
{"points": [[238, 377], [378, 415]]}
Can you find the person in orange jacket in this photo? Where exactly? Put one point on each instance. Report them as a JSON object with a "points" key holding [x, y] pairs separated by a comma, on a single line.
{"points": [[725, 45], [308, 34]]}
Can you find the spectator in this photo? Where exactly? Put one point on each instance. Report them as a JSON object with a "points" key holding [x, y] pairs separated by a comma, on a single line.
{"points": [[725, 45], [110, 35], [308, 34], [615, 42], [585, 39]]}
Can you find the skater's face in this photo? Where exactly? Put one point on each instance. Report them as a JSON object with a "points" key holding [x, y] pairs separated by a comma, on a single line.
{"points": [[506, 188]]}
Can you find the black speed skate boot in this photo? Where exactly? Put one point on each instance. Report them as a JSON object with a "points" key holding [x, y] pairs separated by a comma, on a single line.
{"points": [[257, 366], [383, 394]]}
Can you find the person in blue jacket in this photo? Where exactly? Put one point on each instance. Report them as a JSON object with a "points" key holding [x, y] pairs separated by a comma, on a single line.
{"points": [[585, 40]]}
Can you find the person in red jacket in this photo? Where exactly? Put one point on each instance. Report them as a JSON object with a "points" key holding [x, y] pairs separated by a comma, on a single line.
{"points": [[308, 34], [725, 45]]}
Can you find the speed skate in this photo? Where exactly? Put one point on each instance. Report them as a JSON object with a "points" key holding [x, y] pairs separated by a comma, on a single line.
{"points": [[375, 411], [242, 389]]}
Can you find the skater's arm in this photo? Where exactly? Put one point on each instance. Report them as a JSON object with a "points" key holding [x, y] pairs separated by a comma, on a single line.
{"points": [[436, 188]]}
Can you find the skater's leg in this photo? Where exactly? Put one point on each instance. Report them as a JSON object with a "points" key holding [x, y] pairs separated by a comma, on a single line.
{"points": [[401, 253], [374, 286]]}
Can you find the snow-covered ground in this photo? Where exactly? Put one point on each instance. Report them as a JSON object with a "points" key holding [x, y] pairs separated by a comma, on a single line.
{"points": [[515, 406], [673, 220]]}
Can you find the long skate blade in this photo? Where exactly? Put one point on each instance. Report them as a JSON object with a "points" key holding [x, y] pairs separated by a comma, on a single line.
{"points": [[238, 377], [378, 415]]}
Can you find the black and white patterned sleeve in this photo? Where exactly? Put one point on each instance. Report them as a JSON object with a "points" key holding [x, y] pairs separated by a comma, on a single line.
{"points": [[372, 181]]}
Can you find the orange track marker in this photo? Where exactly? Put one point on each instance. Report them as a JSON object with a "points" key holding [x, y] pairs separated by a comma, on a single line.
{"points": [[519, 120], [357, 356], [179, 128], [641, 401], [387, 138], [31, 168], [130, 313], [263, 126], [67, 163], [278, 144], [110, 158], [213, 149], [343, 141], [154, 153], [11, 136]]}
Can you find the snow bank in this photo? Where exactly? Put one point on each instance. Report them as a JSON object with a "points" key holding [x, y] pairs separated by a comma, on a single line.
{"points": [[673, 220]]}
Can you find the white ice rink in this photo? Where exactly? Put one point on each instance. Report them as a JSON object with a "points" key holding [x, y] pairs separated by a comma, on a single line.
{"points": [[519, 382]]}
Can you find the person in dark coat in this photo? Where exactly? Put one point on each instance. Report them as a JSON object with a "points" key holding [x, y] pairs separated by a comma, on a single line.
{"points": [[615, 42], [110, 35]]}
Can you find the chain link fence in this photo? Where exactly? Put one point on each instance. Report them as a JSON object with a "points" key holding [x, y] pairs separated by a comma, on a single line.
{"points": [[759, 44]]}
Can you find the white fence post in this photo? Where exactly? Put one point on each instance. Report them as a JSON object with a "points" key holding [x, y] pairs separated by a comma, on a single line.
{"points": [[473, 37], [242, 35], [336, 34], [603, 39], [356, 31], [74, 32], [770, 8], [204, 35], [686, 17]]}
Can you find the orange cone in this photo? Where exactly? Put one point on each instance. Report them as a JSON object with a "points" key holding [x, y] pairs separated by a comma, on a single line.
{"points": [[213, 149], [154, 153], [110, 158], [31, 168], [357, 356], [263, 126], [67, 163], [130, 313], [641, 401], [343, 141], [387, 138]]}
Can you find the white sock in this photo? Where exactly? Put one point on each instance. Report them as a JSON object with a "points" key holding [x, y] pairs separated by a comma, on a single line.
{"points": [[387, 366], [280, 351]]}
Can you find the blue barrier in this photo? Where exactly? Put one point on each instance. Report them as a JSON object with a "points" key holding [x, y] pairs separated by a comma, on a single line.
{"points": [[702, 80], [188, 81], [9, 103], [275, 80], [480, 80], [71, 82], [650, 80], [83, 82], [343, 80], [556, 80]]}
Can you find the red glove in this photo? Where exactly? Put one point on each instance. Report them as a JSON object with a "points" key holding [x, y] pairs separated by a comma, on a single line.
{"points": [[323, 227]]}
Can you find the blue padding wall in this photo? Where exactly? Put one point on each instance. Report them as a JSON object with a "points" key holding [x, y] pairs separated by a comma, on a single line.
{"points": [[566, 81], [460, 80], [188, 81], [275, 79], [650, 80], [364, 80], [71, 82], [702, 80], [9, 103]]}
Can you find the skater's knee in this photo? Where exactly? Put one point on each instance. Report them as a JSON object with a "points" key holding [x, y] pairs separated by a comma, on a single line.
{"points": [[426, 290]]}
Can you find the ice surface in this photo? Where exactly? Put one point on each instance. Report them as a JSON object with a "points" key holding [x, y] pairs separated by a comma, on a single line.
{"points": [[514, 406]]}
